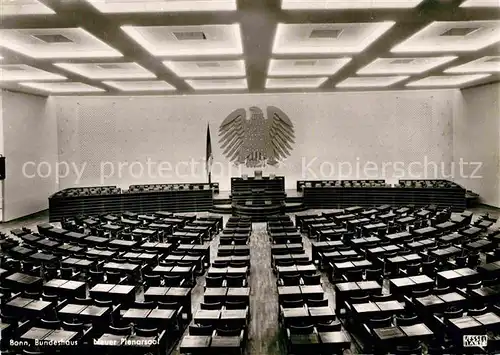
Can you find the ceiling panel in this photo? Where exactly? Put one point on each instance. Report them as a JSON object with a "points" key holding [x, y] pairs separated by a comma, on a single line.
{"points": [[175, 41], [293, 83], [141, 85], [23, 72], [452, 36], [183, 47], [24, 7], [327, 38], [306, 67], [207, 68], [107, 70], [371, 81], [62, 87], [218, 84], [488, 64], [45, 43], [154, 6], [406, 65], [447, 80], [348, 4], [480, 3]]}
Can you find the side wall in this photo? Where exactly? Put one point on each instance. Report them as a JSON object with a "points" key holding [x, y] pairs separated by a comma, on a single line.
{"points": [[30, 144], [477, 140]]}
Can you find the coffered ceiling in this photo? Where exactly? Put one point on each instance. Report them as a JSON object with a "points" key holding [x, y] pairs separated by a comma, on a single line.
{"points": [[182, 47]]}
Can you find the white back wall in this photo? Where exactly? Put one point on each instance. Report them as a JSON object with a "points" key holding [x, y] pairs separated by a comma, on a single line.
{"points": [[477, 139], [29, 136], [372, 130]]}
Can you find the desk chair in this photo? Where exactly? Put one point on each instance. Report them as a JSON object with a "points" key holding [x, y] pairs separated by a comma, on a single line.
{"points": [[211, 305], [202, 330], [120, 330], [333, 326], [146, 332]]}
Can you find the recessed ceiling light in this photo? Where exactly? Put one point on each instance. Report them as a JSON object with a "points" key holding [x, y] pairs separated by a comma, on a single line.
{"points": [[295, 83], [62, 87], [327, 38], [347, 4], [20, 72], [414, 65], [143, 85], [24, 7], [447, 80], [107, 70], [371, 81], [486, 64], [448, 36], [207, 69], [178, 41], [481, 3], [128, 6], [218, 84], [306, 67], [47, 43]]}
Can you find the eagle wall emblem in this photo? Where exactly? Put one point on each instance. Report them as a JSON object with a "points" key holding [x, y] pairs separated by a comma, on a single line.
{"points": [[256, 141]]}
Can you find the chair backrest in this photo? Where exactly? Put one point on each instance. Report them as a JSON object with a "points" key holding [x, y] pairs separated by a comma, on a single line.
{"points": [[333, 326], [359, 299], [453, 313], [312, 279], [235, 281], [317, 303], [229, 331], [291, 280], [73, 326], [382, 298], [380, 322], [474, 285], [103, 303], [406, 320], [211, 305], [199, 329], [299, 329], [477, 311], [168, 305], [172, 281], [292, 303], [235, 304], [152, 280], [214, 281], [144, 305], [373, 274], [354, 275], [146, 332], [120, 330], [50, 324], [421, 293]]}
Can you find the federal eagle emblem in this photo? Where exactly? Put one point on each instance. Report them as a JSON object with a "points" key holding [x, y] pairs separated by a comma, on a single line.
{"points": [[257, 140]]}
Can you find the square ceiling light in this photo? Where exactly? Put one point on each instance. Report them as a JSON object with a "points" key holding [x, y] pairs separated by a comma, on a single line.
{"points": [[62, 87], [46, 43], [131, 6], [327, 38], [415, 65], [306, 67], [347, 4], [218, 84], [208, 68], [142, 85], [371, 81], [177, 41], [486, 64], [481, 3], [22, 72], [107, 70], [295, 83], [447, 80], [24, 7], [448, 36]]}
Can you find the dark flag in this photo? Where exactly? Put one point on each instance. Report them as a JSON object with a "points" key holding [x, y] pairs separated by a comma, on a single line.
{"points": [[209, 155]]}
